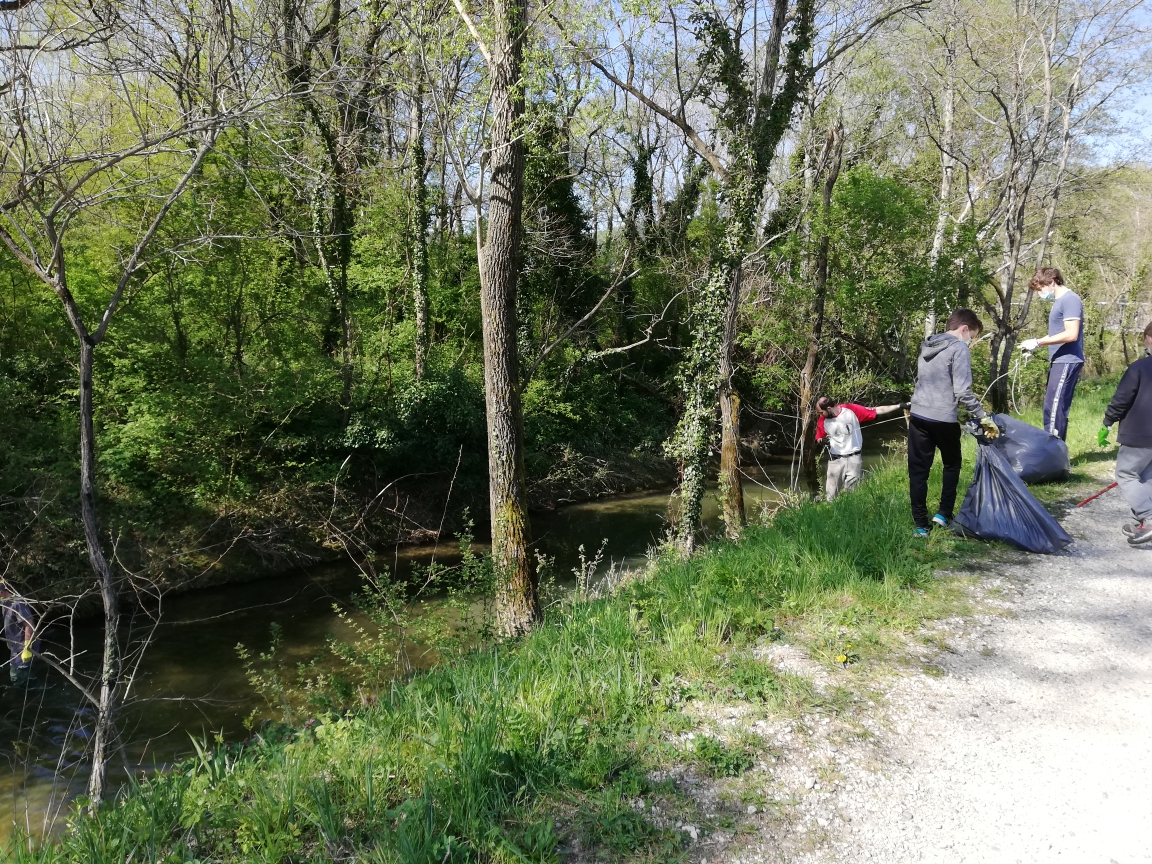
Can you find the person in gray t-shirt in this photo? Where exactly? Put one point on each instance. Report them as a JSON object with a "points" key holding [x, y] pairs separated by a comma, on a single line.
{"points": [[1065, 342]]}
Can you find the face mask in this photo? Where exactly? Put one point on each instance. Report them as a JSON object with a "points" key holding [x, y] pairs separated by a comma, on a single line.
{"points": [[1047, 293]]}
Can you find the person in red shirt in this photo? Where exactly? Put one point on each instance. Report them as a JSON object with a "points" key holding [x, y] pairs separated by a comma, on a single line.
{"points": [[840, 424]]}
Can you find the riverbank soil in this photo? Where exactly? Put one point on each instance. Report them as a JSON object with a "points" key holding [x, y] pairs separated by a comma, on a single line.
{"points": [[1022, 733]]}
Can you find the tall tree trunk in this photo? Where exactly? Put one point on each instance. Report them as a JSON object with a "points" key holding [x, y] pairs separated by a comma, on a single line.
{"points": [[731, 482], [1005, 339], [109, 670], [517, 604], [344, 222], [751, 145], [833, 153], [947, 168], [699, 377], [420, 223]]}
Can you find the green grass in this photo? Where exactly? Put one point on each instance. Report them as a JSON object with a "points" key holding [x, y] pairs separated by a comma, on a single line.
{"points": [[524, 752]]}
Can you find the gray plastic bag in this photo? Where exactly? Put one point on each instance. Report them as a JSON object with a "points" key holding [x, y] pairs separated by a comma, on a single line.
{"points": [[1034, 455]]}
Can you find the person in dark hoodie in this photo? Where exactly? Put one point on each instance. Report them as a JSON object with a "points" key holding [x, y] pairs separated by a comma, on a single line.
{"points": [[943, 384], [1131, 407]]}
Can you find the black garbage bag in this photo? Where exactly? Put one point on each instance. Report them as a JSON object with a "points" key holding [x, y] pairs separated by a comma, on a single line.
{"points": [[999, 506], [1034, 455]]}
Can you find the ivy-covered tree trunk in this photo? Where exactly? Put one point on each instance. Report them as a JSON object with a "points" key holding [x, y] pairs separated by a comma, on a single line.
{"points": [[692, 441], [517, 604], [731, 481], [708, 355], [753, 121]]}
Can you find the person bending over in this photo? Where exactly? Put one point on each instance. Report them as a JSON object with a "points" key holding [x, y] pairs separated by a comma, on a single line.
{"points": [[1065, 343], [1131, 407], [840, 425], [19, 633], [943, 384]]}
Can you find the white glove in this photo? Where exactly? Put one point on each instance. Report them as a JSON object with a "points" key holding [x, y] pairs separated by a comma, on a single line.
{"points": [[1029, 344]]}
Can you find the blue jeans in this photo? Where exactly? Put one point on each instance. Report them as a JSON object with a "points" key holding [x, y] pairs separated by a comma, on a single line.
{"points": [[1062, 378]]}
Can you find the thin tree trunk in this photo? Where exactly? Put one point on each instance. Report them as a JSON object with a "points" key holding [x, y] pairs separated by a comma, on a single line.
{"points": [[947, 167], [420, 230], [517, 604], [834, 148], [109, 671], [1005, 339], [344, 221], [731, 485]]}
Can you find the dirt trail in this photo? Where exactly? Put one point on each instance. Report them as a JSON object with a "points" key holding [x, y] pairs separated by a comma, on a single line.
{"points": [[1035, 745], [1026, 738]]}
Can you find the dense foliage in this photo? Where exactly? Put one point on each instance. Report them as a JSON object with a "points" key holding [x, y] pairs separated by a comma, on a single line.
{"points": [[300, 349]]}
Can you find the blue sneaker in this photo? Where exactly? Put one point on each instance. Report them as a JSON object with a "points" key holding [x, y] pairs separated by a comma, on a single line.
{"points": [[920, 532], [938, 519]]}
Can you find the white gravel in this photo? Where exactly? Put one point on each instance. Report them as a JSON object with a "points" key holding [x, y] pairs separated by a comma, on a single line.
{"points": [[1026, 738], [1035, 745]]}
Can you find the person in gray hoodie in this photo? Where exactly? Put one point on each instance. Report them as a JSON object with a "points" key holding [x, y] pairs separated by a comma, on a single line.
{"points": [[943, 384]]}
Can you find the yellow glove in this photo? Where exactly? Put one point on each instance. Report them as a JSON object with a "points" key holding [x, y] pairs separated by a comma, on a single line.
{"points": [[991, 430], [26, 654]]}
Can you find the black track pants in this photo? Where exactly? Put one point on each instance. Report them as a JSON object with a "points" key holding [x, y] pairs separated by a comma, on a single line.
{"points": [[925, 437]]}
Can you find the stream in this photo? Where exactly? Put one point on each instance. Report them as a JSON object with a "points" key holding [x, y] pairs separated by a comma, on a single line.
{"points": [[191, 683]]}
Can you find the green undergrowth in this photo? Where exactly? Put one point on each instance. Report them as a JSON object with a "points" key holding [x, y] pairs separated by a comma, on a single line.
{"points": [[539, 751], [529, 751]]}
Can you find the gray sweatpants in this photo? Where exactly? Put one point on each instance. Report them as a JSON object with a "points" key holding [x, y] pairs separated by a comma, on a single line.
{"points": [[843, 474], [1134, 477]]}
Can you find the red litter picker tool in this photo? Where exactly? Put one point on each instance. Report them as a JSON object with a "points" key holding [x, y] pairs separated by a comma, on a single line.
{"points": [[1097, 495]]}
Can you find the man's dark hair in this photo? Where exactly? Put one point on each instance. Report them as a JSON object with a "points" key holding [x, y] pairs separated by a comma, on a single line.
{"points": [[824, 403], [1046, 276], [964, 317], [1148, 331]]}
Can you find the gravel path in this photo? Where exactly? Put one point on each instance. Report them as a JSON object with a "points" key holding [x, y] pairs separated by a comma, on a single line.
{"points": [[1035, 745]]}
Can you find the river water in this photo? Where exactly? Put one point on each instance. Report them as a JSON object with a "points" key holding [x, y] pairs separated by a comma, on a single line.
{"points": [[191, 683]]}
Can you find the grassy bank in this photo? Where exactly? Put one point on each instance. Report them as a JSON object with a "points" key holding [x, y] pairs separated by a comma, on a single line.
{"points": [[541, 750]]}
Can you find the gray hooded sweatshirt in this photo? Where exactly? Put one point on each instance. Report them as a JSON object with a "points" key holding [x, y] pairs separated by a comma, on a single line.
{"points": [[944, 380]]}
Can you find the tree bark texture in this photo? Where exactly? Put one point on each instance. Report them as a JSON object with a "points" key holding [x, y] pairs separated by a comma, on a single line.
{"points": [[420, 222], [517, 604], [1004, 340], [109, 670], [833, 152], [753, 128], [947, 168], [731, 481]]}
